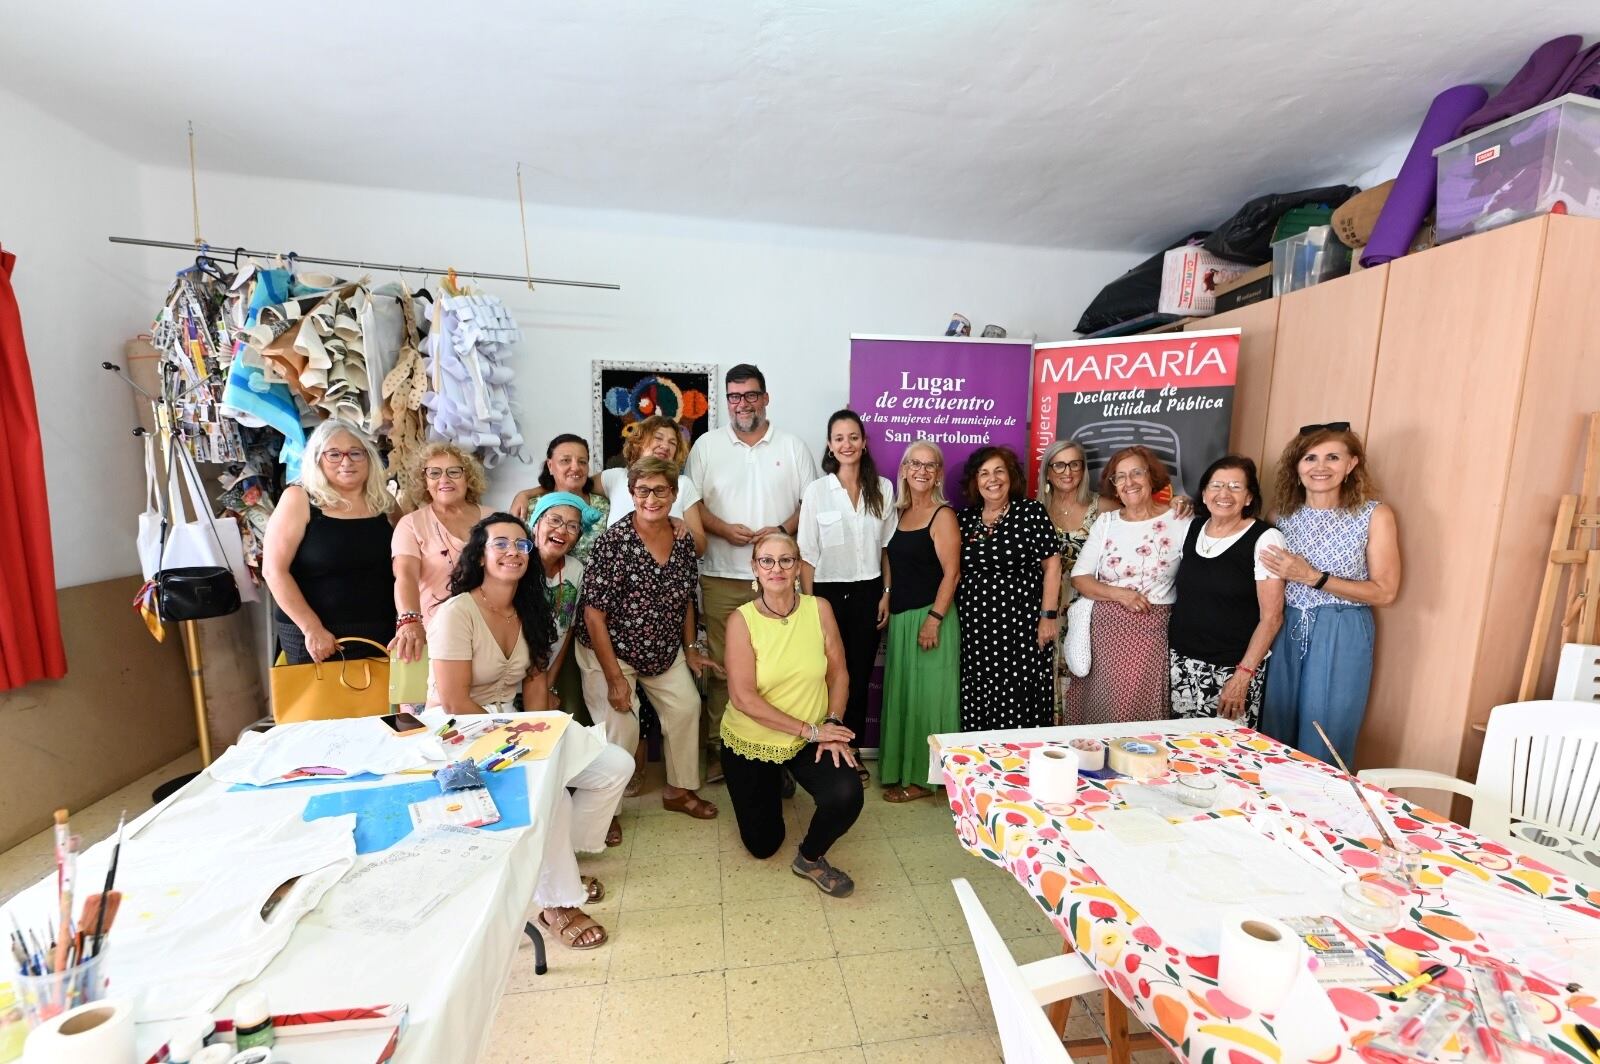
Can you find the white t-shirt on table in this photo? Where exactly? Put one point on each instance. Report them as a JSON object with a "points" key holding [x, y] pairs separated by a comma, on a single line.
{"points": [[752, 485]]}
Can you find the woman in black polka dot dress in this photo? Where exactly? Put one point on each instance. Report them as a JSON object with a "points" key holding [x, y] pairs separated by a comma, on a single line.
{"points": [[1010, 585]]}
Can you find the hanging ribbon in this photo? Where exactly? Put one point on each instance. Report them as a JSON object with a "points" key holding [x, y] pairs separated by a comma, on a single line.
{"points": [[194, 190], [527, 260]]}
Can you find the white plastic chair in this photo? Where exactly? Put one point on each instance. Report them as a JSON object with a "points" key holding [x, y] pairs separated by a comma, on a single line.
{"points": [[1578, 674], [1018, 993], [1538, 788]]}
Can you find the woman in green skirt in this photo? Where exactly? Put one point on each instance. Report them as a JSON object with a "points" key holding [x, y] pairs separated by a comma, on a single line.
{"points": [[922, 675]]}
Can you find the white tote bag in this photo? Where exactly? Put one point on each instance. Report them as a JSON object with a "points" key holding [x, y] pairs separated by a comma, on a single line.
{"points": [[149, 541], [1079, 615], [199, 542]]}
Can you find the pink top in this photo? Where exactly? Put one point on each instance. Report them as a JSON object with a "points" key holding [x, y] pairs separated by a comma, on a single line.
{"points": [[421, 535]]}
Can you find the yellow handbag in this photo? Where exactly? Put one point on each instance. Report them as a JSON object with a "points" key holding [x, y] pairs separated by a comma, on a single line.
{"points": [[331, 690]]}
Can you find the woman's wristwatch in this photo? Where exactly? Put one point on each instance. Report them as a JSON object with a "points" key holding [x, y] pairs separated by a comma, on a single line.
{"points": [[1318, 585], [1048, 615], [700, 646], [936, 615]]}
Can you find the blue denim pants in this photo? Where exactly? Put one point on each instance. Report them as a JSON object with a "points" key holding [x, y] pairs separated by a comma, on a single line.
{"points": [[1321, 671]]}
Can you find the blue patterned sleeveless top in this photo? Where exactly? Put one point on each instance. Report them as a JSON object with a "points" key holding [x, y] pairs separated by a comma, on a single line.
{"points": [[1334, 541]]}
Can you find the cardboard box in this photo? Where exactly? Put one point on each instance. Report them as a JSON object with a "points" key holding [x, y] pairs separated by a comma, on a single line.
{"points": [[1248, 277], [1255, 291], [1189, 280]]}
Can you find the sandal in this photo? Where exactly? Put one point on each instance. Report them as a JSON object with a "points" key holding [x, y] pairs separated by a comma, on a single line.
{"points": [[614, 833], [594, 889], [635, 785], [574, 928], [908, 793], [828, 879], [690, 803]]}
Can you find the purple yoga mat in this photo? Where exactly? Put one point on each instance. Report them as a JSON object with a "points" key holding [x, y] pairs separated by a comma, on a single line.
{"points": [[1412, 196]]}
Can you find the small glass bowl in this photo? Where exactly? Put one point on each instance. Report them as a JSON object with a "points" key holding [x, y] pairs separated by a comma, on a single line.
{"points": [[1402, 863], [1371, 906], [1197, 790]]}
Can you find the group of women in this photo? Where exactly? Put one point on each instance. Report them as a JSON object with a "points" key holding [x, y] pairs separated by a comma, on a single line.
{"points": [[584, 595]]}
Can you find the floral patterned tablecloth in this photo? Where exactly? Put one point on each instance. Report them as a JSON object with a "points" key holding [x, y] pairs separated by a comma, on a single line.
{"points": [[1176, 995]]}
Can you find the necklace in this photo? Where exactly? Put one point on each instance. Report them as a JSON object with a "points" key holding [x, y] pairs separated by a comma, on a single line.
{"points": [[508, 614], [988, 529], [781, 618]]}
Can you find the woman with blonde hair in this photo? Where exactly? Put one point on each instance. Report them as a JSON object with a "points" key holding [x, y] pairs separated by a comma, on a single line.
{"points": [[922, 667], [445, 485], [326, 554], [1342, 558], [1073, 505], [660, 437]]}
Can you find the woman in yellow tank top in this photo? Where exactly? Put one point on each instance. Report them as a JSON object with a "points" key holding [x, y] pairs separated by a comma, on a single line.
{"points": [[787, 688]]}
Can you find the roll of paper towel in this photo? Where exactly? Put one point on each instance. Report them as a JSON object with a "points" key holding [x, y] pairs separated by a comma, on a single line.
{"points": [[1258, 962], [100, 1032], [1053, 774]]}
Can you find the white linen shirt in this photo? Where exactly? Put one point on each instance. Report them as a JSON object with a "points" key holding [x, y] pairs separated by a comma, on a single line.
{"points": [[747, 485], [616, 485], [843, 542]]}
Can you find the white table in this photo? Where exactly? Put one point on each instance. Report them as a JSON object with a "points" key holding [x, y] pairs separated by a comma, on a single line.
{"points": [[450, 972]]}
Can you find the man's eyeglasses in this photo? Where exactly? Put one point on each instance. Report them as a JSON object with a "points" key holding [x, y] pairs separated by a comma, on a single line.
{"points": [[1058, 466], [659, 491], [454, 472], [1332, 426], [787, 562], [502, 544], [333, 456], [744, 398]]}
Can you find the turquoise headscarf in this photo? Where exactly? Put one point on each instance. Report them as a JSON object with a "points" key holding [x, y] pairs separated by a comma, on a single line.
{"points": [[587, 514]]}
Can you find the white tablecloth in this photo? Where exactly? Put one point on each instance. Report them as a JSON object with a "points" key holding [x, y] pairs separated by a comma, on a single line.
{"points": [[450, 972]]}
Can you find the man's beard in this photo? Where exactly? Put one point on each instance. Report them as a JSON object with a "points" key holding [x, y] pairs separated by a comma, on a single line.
{"points": [[747, 422]]}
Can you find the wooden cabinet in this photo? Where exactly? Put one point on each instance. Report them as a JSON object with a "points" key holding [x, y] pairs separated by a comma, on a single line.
{"points": [[1258, 325]]}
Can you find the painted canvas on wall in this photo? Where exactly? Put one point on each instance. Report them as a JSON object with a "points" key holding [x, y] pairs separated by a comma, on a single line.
{"points": [[625, 393]]}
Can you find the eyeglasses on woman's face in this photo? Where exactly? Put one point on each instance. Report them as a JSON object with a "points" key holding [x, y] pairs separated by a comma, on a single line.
{"points": [[454, 472], [1063, 465], [777, 561], [574, 528], [1235, 487], [917, 465], [1136, 473], [652, 491], [503, 544], [334, 456]]}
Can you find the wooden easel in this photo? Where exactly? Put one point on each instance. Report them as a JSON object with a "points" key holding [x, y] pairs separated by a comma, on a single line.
{"points": [[1573, 555]]}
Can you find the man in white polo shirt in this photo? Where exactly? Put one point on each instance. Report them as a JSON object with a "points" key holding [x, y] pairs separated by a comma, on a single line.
{"points": [[750, 477]]}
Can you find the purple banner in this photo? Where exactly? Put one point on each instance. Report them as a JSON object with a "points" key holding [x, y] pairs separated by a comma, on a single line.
{"points": [[961, 393]]}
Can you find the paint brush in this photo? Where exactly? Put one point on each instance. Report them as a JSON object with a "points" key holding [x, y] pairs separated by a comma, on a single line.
{"points": [[1355, 785], [105, 892], [69, 874]]}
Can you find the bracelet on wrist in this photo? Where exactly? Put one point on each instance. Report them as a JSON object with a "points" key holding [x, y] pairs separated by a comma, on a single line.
{"points": [[1242, 667], [1318, 585], [834, 721], [936, 615]]}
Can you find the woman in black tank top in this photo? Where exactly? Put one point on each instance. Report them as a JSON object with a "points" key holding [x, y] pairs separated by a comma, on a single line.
{"points": [[326, 554], [922, 671]]}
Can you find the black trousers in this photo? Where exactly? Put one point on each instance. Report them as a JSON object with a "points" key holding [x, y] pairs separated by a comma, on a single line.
{"points": [[855, 608], [756, 790]]}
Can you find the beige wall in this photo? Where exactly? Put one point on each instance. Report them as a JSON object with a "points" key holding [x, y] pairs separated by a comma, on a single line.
{"points": [[122, 710]]}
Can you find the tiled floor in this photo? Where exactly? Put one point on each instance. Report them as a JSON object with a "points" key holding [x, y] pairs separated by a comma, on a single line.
{"points": [[715, 956]]}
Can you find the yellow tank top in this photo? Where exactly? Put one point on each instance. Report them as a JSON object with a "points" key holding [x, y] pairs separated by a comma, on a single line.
{"points": [[791, 674]]}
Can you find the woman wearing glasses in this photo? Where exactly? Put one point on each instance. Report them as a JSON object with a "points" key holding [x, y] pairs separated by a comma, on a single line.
{"points": [[922, 667], [657, 437], [786, 691], [1128, 566], [559, 520], [846, 519], [1073, 506], [491, 638], [444, 485], [1341, 558], [326, 555], [1229, 605], [639, 631]]}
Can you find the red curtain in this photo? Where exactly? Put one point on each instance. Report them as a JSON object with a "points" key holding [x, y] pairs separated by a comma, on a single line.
{"points": [[30, 630]]}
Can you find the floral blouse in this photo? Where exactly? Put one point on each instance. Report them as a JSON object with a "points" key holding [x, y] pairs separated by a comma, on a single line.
{"points": [[1143, 555], [644, 602]]}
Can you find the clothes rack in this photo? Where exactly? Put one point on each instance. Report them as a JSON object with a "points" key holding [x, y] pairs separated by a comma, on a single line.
{"points": [[357, 264]]}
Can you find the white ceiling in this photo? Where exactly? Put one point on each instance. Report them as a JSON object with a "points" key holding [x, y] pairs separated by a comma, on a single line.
{"points": [[1077, 123]]}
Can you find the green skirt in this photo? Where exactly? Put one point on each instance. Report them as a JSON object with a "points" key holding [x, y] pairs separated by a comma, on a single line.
{"points": [[921, 697]]}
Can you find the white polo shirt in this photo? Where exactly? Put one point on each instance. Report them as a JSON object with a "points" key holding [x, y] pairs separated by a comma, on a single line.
{"points": [[842, 542], [752, 485]]}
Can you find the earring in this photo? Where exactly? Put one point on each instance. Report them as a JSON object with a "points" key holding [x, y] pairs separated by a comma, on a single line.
{"points": [[755, 585]]}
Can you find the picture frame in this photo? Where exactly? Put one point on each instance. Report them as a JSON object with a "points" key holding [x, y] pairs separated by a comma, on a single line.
{"points": [[625, 392]]}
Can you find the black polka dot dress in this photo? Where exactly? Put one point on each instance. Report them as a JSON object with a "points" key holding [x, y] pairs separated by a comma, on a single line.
{"points": [[1005, 674]]}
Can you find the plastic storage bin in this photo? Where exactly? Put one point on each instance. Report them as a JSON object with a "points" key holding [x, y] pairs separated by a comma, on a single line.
{"points": [[1307, 258], [1526, 165]]}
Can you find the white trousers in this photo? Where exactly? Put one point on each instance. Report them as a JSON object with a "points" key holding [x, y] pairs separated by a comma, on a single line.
{"points": [[578, 824], [677, 702]]}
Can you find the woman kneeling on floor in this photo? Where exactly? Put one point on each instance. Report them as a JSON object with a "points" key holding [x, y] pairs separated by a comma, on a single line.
{"points": [[787, 689], [492, 637]]}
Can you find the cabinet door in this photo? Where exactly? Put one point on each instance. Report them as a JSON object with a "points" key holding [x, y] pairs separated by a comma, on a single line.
{"points": [[1258, 330], [1323, 362], [1444, 413]]}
